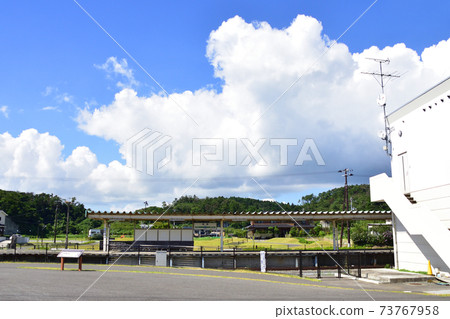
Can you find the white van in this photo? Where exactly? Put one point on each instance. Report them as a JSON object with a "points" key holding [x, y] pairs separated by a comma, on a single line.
{"points": [[93, 232]]}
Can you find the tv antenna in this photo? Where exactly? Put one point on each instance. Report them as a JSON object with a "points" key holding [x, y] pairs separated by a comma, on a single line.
{"points": [[381, 100]]}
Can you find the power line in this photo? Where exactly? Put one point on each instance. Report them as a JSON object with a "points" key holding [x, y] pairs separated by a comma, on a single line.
{"points": [[145, 177]]}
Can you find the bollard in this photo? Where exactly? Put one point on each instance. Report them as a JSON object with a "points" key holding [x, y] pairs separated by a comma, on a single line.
{"points": [[139, 254], [201, 257]]}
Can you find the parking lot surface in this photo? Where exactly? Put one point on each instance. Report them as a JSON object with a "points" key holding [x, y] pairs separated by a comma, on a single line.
{"points": [[45, 281]]}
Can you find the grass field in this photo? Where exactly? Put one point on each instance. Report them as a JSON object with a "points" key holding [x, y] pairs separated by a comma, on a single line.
{"points": [[211, 243]]}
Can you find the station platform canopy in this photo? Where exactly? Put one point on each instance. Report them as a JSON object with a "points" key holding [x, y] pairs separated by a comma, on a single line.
{"points": [[243, 216]]}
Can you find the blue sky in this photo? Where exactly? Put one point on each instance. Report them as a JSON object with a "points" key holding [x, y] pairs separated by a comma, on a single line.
{"points": [[52, 57]]}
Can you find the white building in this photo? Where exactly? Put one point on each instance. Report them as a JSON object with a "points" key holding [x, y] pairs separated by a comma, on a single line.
{"points": [[2, 222], [419, 190]]}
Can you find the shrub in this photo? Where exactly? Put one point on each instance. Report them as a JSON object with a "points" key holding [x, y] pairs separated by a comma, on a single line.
{"points": [[241, 233], [294, 232], [316, 230], [304, 241], [361, 236]]}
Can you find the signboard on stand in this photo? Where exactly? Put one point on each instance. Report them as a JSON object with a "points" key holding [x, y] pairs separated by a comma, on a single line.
{"points": [[71, 253]]}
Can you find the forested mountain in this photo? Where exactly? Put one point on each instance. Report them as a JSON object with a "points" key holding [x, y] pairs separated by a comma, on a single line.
{"points": [[331, 200], [218, 205], [35, 213]]}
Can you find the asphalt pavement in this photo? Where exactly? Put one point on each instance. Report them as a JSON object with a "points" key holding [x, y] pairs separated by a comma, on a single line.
{"points": [[45, 281]]}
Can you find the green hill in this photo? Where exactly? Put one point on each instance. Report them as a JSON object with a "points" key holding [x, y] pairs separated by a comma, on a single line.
{"points": [[331, 200]]}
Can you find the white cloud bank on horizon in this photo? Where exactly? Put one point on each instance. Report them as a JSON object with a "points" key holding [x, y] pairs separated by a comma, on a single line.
{"points": [[333, 104]]}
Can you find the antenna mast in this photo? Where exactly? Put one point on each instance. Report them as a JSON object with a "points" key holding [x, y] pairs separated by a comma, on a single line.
{"points": [[382, 100]]}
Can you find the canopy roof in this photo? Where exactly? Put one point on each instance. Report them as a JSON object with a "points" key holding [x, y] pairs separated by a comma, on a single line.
{"points": [[242, 216]]}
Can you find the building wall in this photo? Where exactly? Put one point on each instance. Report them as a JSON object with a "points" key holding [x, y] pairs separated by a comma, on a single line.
{"points": [[421, 152], [420, 135], [163, 235], [10, 226], [412, 251], [2, 218], [420, 145]]}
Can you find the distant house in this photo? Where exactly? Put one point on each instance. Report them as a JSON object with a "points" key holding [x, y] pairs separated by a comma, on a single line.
{"points": [[258, 226], [2, 222], [7, 226]]}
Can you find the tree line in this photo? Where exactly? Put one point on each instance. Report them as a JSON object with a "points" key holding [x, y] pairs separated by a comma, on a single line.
{"points": [[34, 214]]}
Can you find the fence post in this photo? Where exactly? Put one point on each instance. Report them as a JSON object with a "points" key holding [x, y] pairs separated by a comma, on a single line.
{"points": [[318, 265], [15, 253], [267, 259], [234, 258], [170, 259], [348, 262], [46, 250], [365, 258], [338, 259], [359, 264], [300, 263]]}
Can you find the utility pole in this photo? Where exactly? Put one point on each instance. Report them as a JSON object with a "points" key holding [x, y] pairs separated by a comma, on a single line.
{"points": [[56, 223], [347, 173], [67, 226], [382, 100]]}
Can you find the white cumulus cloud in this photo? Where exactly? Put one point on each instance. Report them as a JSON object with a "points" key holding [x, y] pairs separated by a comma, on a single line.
{"points": [[4, 110], [115, 68]]}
